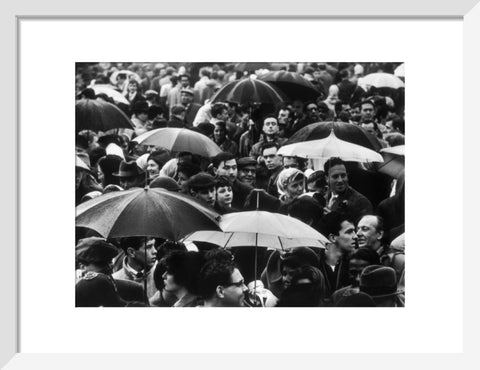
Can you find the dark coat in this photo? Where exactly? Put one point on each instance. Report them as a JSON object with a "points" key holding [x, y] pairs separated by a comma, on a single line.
{"points": [[351, 203]]}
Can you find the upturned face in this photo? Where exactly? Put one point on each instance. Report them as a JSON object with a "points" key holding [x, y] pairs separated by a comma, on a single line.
{"points": [[224, 196]]}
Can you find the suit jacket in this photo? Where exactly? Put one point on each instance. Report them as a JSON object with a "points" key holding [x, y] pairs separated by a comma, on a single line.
{"points": [[191, 113]]}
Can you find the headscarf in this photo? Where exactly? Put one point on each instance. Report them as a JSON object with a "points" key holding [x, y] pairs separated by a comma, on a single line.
{"points": [[287, 176]]}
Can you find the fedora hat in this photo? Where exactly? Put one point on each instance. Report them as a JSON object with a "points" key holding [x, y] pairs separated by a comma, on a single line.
{"points": [[128, 169], [379, 281]]}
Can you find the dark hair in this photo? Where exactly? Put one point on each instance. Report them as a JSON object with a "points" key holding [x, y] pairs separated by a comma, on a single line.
{"points": [[188, 168], [222, 125], [222, 181], [333, 222], [268, 145], [270, 116], [154, 111], [222, 157], [366, 254], [304, 294], [331, 162], [159, 156], [305, 208], [219, 255], [215, 272], [399, 124], [218, 108], [135, 242], [185, 268], [318, 178]]}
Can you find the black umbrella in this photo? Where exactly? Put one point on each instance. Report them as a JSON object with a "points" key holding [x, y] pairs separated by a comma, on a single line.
{"points": [[293, 84], [249, 91], [98, 115], [345, 131], [251, 66]]}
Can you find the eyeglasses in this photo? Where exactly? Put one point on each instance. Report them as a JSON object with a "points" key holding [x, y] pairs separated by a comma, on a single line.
{"points": [[238, 284], [313, 109]]}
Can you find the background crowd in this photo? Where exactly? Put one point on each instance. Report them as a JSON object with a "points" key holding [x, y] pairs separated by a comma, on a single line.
{"points": [[237, 122]]}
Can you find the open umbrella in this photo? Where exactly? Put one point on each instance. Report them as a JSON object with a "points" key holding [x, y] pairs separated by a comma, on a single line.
{"points": [[381, 80], [98, 115], [343, 130], [330, 147], [110, 91], [180, 140], [394, 161], [127, 73], [293, 84], [249, 91], [400, 71], [145, 212]]}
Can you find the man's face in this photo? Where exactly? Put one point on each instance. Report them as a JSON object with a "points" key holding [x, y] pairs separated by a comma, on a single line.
{"points": [[297, 108], [184, 81], [272, 160], [132, 87], [367, 233], [223, 116], [287, 274], [130, 182], [206, 195], [224, 196], [234, 293], [270, 126], [295, 188], [290, 162], [337, 179], [247, 175], [355, 268], [389, 127], [227, 169], [346, 238], [283, 116], [312, 111], [186, 98], [367, 111], [369, 127], [151, 254]]}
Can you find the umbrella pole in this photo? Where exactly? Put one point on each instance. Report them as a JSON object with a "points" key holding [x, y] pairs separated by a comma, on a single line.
{"points": [[145, 273], [255, 268]]}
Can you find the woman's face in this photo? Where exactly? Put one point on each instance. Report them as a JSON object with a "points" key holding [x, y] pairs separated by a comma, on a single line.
{"points": [[182, 179], [224, 196], [219, 134], [132, 87], [295, 189], [153, 168]]}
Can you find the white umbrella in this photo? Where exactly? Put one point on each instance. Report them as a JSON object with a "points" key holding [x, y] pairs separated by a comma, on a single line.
{"points": [[400, 71], [130, 74], [180, 140], [393, 161], [110, 92], [381, 80], [329, 147]]}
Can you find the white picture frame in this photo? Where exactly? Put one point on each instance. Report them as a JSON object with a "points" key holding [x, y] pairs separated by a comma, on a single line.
{"points": [[12, 14]]}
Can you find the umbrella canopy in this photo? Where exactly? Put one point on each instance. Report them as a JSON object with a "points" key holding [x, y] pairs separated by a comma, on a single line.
{"points": [[110, 91], [251, 66], [381, 80], [330, 147], [343, 130], [145, 212], [98, 115], [293, 84], [241, 239], [263, 224], [394, 161], [129, 74], [400, 70], [180, 140], [249, 91]]}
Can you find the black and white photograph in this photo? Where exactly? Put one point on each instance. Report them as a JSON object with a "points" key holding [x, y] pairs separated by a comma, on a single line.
{"points": [[240, 184]]}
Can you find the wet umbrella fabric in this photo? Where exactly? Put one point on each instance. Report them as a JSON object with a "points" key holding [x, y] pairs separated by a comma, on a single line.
{"points": [[180, 140], [249, 91], [343, 130], [98, 115], [145, 212], [110, 91], [330, 147], [293, 84], [251, 66], [381, 80]]}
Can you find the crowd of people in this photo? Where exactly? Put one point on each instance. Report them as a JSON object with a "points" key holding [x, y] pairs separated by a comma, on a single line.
{"points": [[358, 209]]}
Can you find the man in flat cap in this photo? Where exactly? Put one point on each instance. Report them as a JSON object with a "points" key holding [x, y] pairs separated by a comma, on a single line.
{"points": [[130, 175], [202, 187], [191, 108]]}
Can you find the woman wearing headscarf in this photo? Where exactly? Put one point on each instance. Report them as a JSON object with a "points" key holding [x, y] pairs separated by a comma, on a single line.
{"points": [[290, 185]]}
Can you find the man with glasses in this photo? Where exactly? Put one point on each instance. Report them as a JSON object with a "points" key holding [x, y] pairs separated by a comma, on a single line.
{"points": [[247, 170], [221, 284]]}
